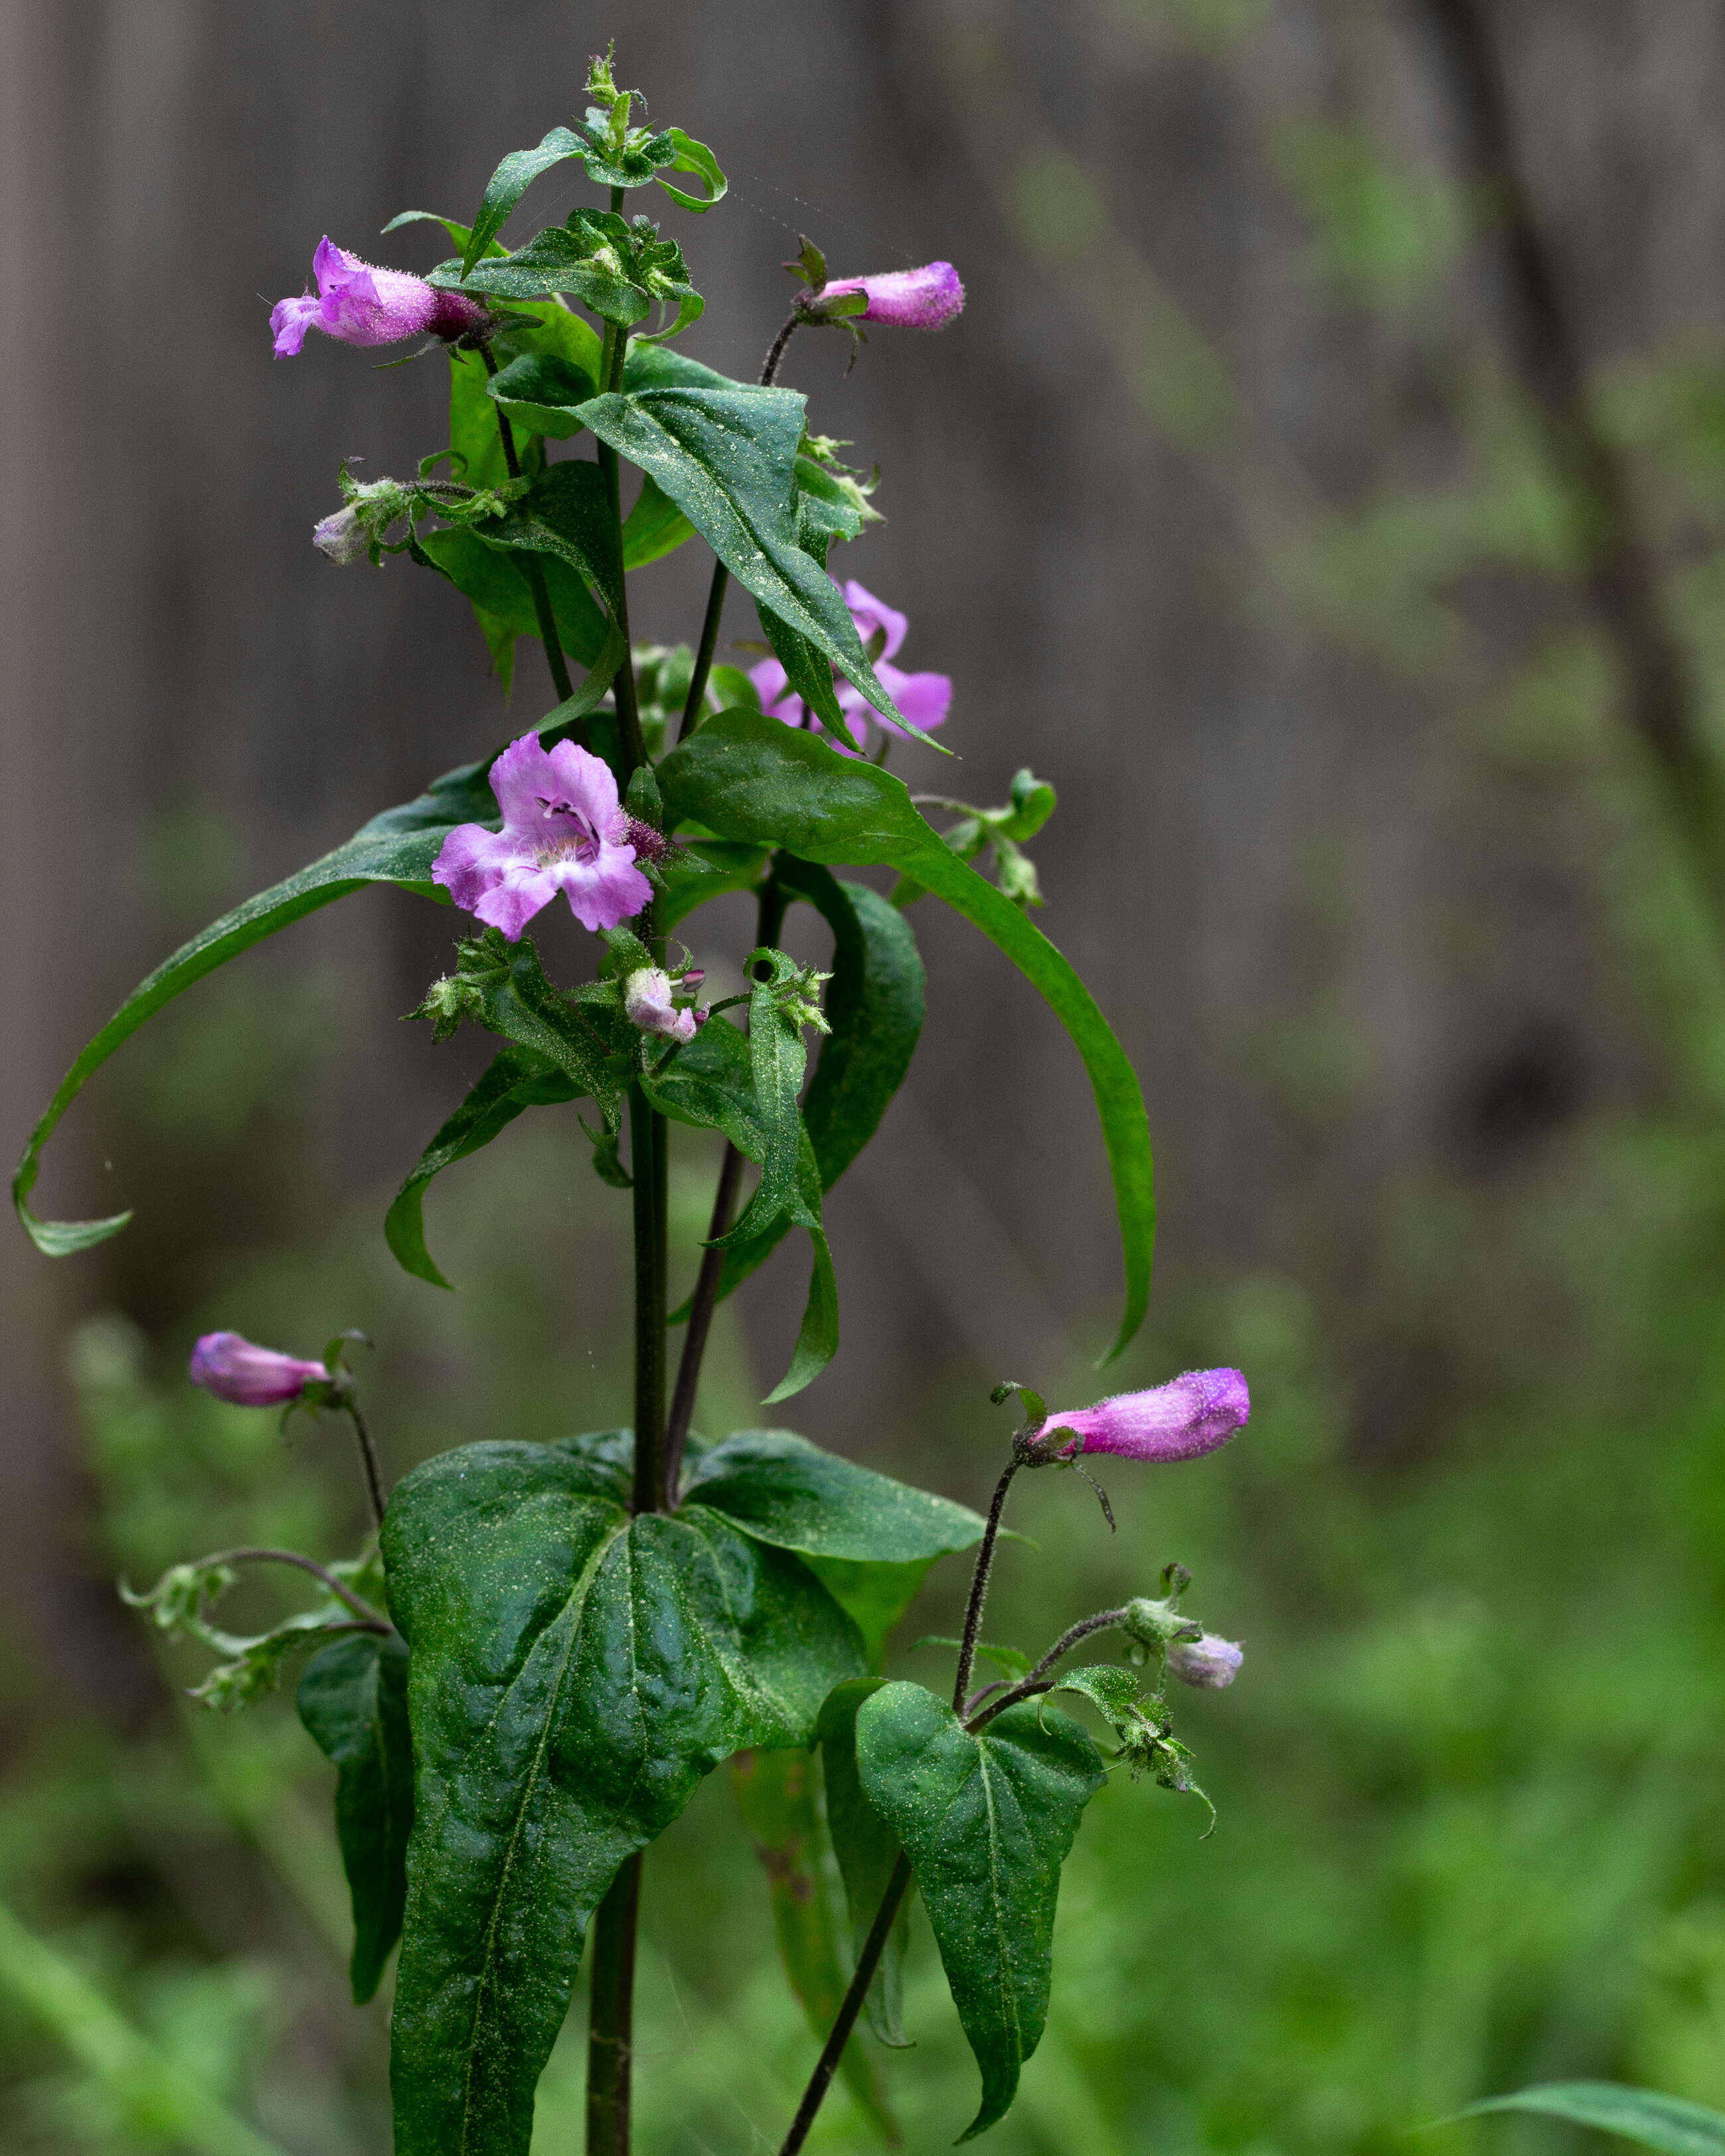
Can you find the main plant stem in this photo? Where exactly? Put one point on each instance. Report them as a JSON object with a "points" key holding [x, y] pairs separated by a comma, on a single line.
{"points": [[536, 574], [611, 2015]]}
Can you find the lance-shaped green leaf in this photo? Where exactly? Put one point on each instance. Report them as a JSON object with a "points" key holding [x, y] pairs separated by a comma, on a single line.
{"points": [[868, 1850], [654, 528], [1671, 2123], [353, 1701], [751, 778], [509, 183], [776, 1796], [574, 1674], [987, 1821], [617, 268], [397, 847], [874, 1005], [727, 458], [777, 1059], [517, 1078]]}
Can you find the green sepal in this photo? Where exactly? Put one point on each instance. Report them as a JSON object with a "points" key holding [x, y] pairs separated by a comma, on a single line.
{"points": [[574, 1675], [776, 1796], [988, 1820], [867, 1850], [749, 778], [353, 1699], [516, 1079]]}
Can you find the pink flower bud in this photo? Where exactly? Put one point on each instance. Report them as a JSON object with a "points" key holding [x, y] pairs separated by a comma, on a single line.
{"points": [[229, 1366], [1210, 1663], [357, 304], [647, 999], [1181, 1420], [925, 299]]}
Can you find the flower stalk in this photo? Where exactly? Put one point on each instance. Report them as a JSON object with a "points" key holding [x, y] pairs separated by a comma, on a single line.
{"points": [[536, 574]]}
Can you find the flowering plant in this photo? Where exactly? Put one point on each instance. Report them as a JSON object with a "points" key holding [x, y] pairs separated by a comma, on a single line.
{"points": [[523, 1677]]}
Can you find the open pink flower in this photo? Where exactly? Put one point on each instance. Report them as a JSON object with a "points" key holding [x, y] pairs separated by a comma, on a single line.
{"points": [[1184, 1419], [925, 699], [563, 831], [234, 1369], [925, 299], [361, 305]]}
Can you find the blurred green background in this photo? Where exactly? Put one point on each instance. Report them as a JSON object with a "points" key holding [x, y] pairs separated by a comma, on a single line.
{"points": [[1359, 577]]}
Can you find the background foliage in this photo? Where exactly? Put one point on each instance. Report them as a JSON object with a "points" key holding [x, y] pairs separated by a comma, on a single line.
{"points": [[1224, 503]]}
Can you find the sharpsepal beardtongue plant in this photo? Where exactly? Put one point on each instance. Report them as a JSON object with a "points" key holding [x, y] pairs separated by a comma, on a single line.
{"points": [[546, 1646]]}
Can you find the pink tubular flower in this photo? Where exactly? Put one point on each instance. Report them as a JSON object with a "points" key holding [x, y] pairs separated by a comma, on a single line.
{"points": [[563, 831], [925, 699], [925, 299], [1211, 1663], [361, 305], [649, 999], [1181, 1420], [229, 1366]]}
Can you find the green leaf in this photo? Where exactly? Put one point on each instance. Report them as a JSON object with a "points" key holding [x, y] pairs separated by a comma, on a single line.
{"points": [[1668, 2122], [539, 391], [502, 987], [727, 457], [517, 1078], [728, 868], [868, 1850], [988, 1820], [509, 183], [492, 577], [567, 513], [353, 1701], [776, 1795], [654, 528], [693, 156], [574, 1674], [777, 1059], [781, 1489], [817, 1335], [709, 1083], [396, 847], [1113, 1690], [752, 780], [874, 1006]]}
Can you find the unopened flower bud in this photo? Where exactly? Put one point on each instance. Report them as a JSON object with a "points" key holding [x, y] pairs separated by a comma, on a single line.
{"points": [[648, 1000], [1184, 1419], [234, 1369], [342, 538], [925, 299], [1208, 1662]]}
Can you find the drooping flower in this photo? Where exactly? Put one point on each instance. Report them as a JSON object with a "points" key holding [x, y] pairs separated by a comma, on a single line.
{"points": [[649, 999], [563, 831], [360, 304], [925, 699], [234, 1368], [1188, 1417], [342, 538], [925, 299], [1210, 1662]]}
